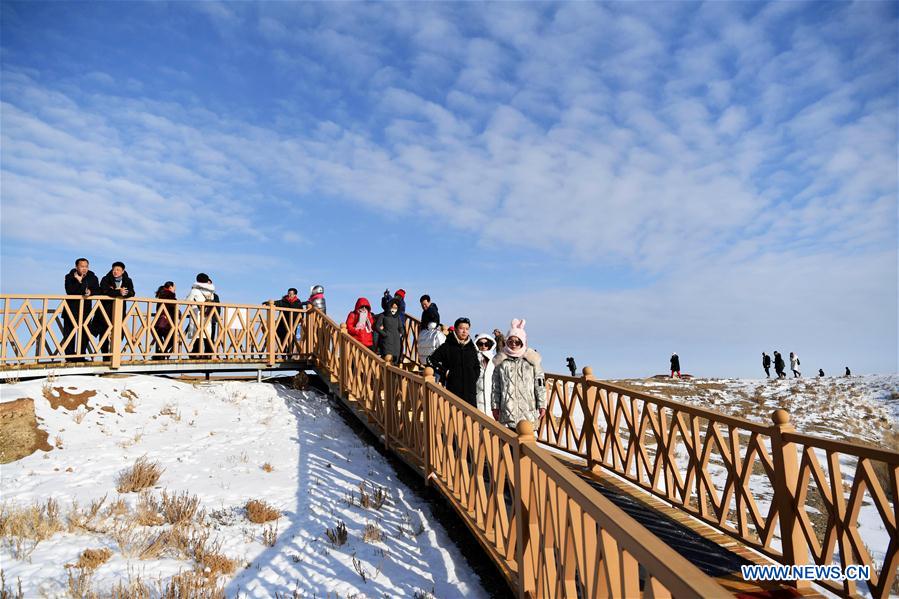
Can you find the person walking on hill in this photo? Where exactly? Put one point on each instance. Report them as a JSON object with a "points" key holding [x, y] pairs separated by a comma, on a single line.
{"points": [[766, 364], [779, 365], [317, 298], [675, 366], [794, 366], [114, 284], [80, 281], [429, 312], [390, 332], [199, 329], [848, 372], [456, 362], [519, 385], [820, 373], [360, 324], [165, 320], [484, 388]]}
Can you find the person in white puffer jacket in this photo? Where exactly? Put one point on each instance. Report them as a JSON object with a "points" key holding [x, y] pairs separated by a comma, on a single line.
{"points": [[486, 354], [519, 384], [201, 291], [428, 341]]}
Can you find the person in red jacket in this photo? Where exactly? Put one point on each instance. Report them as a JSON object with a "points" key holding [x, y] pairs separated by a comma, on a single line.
{"points": [[360, 324]]}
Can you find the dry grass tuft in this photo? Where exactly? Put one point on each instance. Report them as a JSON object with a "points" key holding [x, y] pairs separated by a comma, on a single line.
{"points": [[7, 593], [192, 585], [91, 559], [270, 535], [180, 508], [267, 467], [171, 411], [148, 511], [141, 475], [89, 520], [337, 536], [22, 528], [373, 500], [372, 533], [260, 512]]}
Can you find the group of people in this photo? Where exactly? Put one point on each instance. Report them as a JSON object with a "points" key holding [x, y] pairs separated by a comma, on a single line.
{"points": [[780, 366], [495, 373]]}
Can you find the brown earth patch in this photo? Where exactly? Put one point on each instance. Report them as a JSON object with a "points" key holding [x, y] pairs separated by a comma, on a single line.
{"points": [[19, 433], [70, 401], [108, 409]]}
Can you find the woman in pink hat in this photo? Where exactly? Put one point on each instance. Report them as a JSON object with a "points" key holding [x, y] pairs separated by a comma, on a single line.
{"points": [[519, 385]]}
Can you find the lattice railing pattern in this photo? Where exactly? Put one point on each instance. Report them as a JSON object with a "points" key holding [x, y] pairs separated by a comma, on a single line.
{"points": [[51, 329]]}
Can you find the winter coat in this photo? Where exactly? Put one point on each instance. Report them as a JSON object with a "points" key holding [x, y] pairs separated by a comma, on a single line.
{"points": [[458, 367], [794, 362], [400, 305], [431, 314], [429, 339], [390, 335], [675, 363], [89, 282], [318, 300], [364, 337], [108, 288], [485, 378], [779, 363], [766, 361], [286, 303], [519, 388], [166, 312], [200, 292]]}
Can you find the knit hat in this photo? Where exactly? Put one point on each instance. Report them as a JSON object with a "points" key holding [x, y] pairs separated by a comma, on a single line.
{"points": [[401, 293], [517, 330]]}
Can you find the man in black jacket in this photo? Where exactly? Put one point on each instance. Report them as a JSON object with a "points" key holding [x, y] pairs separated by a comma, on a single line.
{"points": [[117, 284], [456, 361], [80, 281], [766, 364], [429, 312]]}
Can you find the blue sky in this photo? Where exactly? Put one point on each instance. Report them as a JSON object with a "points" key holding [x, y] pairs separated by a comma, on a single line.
{"points": [[634, 179]]}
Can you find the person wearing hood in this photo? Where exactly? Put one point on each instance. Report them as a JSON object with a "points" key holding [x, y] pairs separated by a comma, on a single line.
{"points": [[317, 298], [794, 366], [390, 332], [80, 281], [165, 319], [675, 366], [486, 353], [115, 284], [400, 298], [779, 365], [360, 324], [429, 339], [456, 362], [519, 384], [201, 291]]}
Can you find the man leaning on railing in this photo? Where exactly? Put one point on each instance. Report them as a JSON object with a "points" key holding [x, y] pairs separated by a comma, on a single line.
{"points": [[80, 281]]}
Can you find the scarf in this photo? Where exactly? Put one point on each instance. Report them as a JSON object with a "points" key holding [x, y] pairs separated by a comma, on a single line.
{"points": [[118, 282], [363, 322]]}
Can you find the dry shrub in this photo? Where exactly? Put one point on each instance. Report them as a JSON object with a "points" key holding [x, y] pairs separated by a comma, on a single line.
{"points": [[375, 499], [22, 528], [143, 544], [337, 536], [89, 520], [118, 508], [8, 593], [171, 411], [148, 511], [191, 585], [259, 512], [131, 400], [208, 555], [79, 583], [267, 467], [270, 535], [301, 381], [141, 475], [372, 533], [180, 508], [91, 559]]}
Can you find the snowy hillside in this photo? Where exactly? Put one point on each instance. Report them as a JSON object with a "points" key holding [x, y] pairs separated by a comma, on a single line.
{"points": [[859, 408], [217, 446]]}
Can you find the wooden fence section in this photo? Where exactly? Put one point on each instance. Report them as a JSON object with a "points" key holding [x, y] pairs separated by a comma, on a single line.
{"points": [[49, 329], [763, 485]]}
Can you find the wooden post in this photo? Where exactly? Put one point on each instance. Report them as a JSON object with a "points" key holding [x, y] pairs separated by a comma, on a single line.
{"points": [[388, 399], [588, 393], [115, 343], [526, 441], [342, 345], [429, 380], [786, 483], [272, 337]]}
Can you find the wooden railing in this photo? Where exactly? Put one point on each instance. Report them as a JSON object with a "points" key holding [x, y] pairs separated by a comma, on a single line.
{"points": [[762, 484], [45, 330]]}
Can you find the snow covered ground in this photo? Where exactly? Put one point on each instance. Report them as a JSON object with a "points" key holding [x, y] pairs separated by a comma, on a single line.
{"points": [[226, 443]]}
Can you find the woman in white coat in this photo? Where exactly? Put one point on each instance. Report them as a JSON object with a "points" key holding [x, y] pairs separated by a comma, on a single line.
{"points": [[201, 291], [486, 353]]}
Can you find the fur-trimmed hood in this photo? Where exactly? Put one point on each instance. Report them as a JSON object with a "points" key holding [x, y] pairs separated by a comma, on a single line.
{"points": [[530, 355]]}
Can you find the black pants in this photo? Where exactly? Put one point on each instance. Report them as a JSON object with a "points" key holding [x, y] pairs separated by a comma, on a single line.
{"points": [[767, 371]]}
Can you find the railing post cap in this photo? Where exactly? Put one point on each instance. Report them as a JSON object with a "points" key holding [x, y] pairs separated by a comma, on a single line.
{"points": [[780, 417], [343, 327], [429, 372], [588, 372], [525, 430]]}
